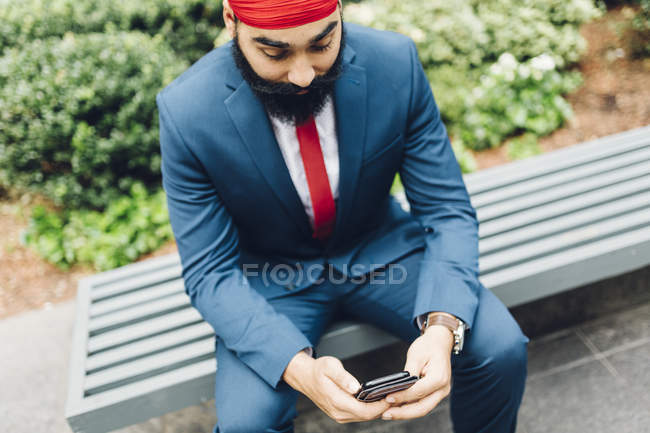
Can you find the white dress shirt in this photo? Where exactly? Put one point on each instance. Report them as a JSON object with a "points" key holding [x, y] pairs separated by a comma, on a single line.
{"points": [[287, 139]]}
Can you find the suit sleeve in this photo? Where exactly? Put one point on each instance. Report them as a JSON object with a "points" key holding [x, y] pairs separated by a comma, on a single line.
{"points": [[208, 246], [434, 187]]}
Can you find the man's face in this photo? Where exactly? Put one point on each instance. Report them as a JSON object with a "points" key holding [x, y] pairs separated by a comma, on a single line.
{"points": [[291, 70]]}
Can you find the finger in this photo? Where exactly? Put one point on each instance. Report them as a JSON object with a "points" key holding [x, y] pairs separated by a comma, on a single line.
{"points": [[427, 385], [414, 364], [346, 408], [339, 375], [420, 389], [356, 410], [418, 408]]}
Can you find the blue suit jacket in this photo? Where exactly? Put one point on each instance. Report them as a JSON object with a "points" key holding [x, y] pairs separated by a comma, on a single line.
{"points": [[231, 199]]}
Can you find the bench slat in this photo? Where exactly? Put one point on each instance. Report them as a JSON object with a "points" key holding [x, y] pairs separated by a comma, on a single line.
{"points": [[560, 159], [568, 240], [150, 345], [138, 313], [563, 207], [144, 329], [562, 192], [138, 402], [134, 269], [111, 289], [134, 298], [113, 377], [562, 223], [351, 338], [571, 268], [533, 186]]}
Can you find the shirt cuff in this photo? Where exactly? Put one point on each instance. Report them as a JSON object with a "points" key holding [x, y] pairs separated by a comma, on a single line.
{"points": [[420, 320], [309, 351]]}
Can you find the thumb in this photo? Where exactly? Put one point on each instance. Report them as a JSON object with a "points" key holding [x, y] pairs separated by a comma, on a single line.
{"points": [[334, 370], [414, 364]]}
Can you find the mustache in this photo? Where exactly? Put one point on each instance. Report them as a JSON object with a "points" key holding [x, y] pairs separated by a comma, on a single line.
{"points": [[319, 83]]}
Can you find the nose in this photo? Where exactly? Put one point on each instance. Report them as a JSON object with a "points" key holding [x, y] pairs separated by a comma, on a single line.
{"points": [[302, 72]]}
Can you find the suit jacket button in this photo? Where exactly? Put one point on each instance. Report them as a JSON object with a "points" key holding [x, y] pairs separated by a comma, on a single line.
{"points": [[428, 229]]}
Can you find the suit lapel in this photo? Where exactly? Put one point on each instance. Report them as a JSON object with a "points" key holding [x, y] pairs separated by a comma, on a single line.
{"points": [[350, 100], [254, 127]]}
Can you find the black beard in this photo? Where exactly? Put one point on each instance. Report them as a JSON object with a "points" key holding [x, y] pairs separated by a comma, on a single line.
{"points": [[280, 99]]}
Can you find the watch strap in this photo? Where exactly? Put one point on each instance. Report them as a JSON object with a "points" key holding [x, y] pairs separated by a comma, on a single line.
{"points": [[440, 319], [455, 325]]}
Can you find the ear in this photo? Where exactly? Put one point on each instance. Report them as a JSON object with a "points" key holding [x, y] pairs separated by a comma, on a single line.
{"points": [[229, 18]]}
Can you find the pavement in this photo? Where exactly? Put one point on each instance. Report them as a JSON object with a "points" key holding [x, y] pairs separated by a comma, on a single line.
{"points": [[594, 377]]}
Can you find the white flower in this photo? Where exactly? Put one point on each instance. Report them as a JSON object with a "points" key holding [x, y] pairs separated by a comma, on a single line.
{"points": [[524, 71], [488, 81], [362, 12], [543, 62], [507, 61], [418, 35], [495, 69]]}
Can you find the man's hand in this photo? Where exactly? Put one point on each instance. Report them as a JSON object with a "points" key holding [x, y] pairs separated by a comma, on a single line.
{"points": [[429, 357], [325, 382]]}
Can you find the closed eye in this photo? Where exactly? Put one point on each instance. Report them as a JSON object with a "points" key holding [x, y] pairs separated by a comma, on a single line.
{"points": [[284, 54], [319, 48], [280, 56]]}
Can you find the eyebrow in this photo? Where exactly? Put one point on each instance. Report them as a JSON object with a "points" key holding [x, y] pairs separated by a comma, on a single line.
{"points": [[279, 44]]}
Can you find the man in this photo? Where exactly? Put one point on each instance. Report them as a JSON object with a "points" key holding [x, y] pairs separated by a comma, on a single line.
{"points": [[278, 153]]}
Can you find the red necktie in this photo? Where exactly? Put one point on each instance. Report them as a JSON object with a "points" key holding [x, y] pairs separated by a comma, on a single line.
{"points": [[319, 186]]}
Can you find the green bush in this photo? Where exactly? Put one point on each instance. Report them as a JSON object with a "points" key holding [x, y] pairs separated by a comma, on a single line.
{"points": [[639, 34], [465, 159], [78, 120], [132, 225], [523, 147], [469, 33], [188, 26], [531, 28], [515, 97], [459, 42], [445, 32]]}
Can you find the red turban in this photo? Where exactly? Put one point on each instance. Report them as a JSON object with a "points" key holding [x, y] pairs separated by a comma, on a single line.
{"points": [[281, 14]]}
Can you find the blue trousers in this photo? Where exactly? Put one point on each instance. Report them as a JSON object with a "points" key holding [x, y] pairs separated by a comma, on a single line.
{"points": [[488, 377]]}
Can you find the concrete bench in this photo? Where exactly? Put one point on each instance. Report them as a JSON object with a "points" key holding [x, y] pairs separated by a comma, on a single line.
{"points": [[547, 224]]}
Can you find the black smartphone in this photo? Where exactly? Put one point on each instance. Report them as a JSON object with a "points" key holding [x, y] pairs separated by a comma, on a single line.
{"points": [[378, 388]]}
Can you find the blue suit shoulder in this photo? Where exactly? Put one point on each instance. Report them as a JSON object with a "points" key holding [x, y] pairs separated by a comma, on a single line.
{"points": [[198, 92], [213, 61], [389, 59], [377, 45]]}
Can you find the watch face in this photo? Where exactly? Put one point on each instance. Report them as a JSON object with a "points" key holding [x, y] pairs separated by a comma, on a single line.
{"points": [[459, 337]]}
